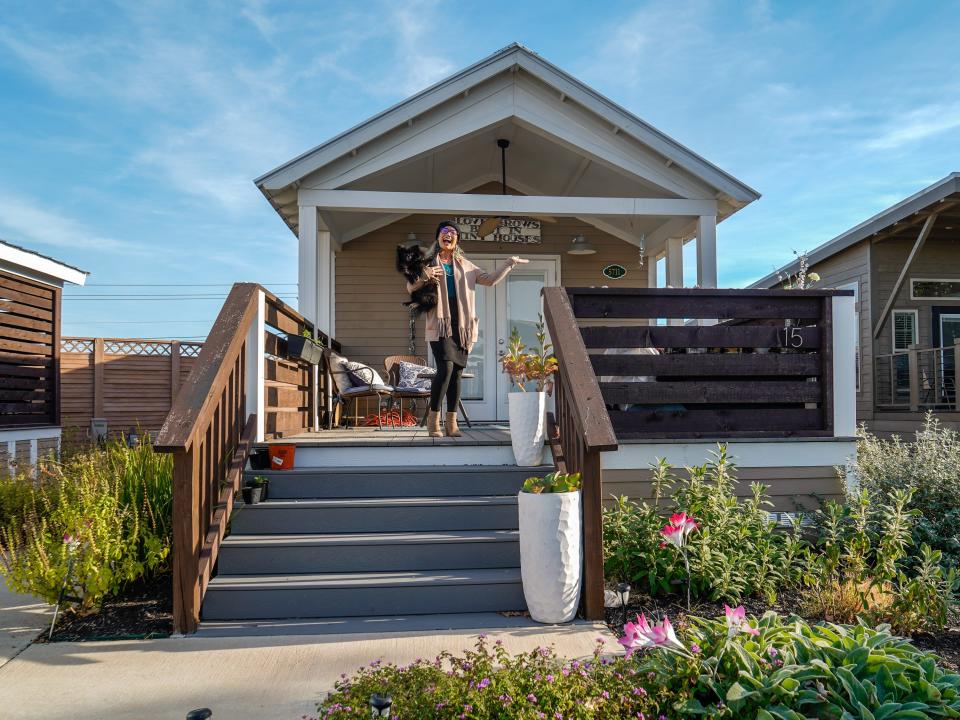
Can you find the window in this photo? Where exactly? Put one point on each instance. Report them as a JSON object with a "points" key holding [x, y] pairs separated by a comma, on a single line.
{"points": [[904, 335], [925, 288], [856, 324]]}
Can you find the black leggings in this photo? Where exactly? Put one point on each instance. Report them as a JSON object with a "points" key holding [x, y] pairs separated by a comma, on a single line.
{"points": [[445, 382]]}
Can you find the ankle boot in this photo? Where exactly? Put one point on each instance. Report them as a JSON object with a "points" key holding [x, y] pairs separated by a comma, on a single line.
{"points": [[433, 424], [450, 425]]}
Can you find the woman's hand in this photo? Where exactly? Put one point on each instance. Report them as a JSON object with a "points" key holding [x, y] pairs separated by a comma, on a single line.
{"points": [[515, 260], [434, 272]]}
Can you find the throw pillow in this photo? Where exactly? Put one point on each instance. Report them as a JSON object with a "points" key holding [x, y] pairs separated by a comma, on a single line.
{"points": [[362, 374], [409, 376], [340, 375]]}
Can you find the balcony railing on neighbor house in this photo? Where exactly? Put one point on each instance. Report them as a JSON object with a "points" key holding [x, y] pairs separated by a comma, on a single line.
{"points": [[730, 364], [918, 379], [241, 390]]}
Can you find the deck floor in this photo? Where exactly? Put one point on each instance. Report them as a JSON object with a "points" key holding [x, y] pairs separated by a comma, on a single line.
{"points": [[479, 434]]}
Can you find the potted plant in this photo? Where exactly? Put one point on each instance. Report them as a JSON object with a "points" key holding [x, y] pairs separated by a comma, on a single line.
{"points": [[304, 347], [263, 483], [252, 494], [259, 459], [550, 546], [527, 408]]}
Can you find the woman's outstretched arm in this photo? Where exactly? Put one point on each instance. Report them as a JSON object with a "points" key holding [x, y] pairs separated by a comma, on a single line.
{"points": [[485, 278]]}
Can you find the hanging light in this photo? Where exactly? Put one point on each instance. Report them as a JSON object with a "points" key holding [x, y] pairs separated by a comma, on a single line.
{"points": [[412, 239], [581, 246], [643, 250]]}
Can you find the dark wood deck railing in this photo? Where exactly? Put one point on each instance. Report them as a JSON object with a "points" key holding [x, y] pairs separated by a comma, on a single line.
{"points": [[763, 367], [580, 431], [214, 423]]}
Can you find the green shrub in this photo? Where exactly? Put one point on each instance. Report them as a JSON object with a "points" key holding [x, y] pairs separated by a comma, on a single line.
{"points": [[488, 683], [16, 497], [735, 553], [792, 670], [930, 468], [98, 520]]}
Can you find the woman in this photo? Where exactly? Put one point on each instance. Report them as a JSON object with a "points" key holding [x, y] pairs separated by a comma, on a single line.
{"points": [[452, 326]]}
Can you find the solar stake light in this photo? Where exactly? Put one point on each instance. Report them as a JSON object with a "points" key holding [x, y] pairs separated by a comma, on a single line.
{"points": [[380, 705], [200, 714]]}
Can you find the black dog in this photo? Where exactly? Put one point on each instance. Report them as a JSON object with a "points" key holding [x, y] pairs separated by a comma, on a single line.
{"points": [[410, 263]]}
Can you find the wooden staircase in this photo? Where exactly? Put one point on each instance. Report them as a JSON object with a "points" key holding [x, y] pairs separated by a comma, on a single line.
{"points": [[373, 541]]}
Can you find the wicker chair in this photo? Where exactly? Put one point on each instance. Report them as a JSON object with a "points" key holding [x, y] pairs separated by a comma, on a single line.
{"points": [[342, 395], [392, 366]]}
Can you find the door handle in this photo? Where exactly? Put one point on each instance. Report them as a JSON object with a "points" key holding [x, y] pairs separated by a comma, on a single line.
{"points": [[500, 341]]}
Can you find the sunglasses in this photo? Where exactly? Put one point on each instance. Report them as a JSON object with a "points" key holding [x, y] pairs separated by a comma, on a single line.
{"points": [[448, 232]]}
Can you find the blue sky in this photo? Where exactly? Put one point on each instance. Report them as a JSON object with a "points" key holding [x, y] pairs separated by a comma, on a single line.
{"points": [[130, 132]]}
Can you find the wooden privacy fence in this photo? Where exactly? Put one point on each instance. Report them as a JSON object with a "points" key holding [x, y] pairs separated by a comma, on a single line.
{"points": [[29, 353], [763, 368], [240, 391], [126, 381]]}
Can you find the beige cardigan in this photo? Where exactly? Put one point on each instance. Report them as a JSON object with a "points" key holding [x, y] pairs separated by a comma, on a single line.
{"points": [[468, 305]]}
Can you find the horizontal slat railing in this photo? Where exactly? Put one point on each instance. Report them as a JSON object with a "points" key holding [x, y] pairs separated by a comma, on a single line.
{"points": [[579, 433], [918, 379], [238, 392], [729, 363]]}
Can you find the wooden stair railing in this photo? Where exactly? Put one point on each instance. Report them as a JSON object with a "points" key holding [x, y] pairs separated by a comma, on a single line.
{"points": [[214, 423], [580, 431]]}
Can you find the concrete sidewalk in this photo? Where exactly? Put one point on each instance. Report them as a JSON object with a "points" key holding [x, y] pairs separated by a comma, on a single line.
{"points": [[22, 618], [259, 678]]}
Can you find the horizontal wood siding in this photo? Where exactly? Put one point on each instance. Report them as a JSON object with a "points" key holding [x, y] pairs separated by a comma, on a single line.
{"points": [[29, 352], [371, 322], [853, 265], [789, 488], [133, 386]]}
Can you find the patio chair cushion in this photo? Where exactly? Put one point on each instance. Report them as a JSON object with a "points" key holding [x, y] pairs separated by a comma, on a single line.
{"points": [[340, 375], [361, 374], [360, 390], [409, 380]]}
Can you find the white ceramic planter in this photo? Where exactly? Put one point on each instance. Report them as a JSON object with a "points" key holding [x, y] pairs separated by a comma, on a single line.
{"points": [[528, 426], [550, 554]]}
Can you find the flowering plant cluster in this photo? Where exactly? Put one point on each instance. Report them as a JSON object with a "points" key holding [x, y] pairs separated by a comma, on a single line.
{"points": [[487, 683]]}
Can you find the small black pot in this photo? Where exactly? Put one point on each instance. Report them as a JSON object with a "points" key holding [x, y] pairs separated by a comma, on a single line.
{"points": [[260, 459], [304, 349], [264, 490], [251, 495]]}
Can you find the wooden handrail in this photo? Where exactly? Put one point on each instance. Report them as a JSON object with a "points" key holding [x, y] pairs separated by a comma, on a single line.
{"points": [[591, 419], [213, 425], [578, 434]]}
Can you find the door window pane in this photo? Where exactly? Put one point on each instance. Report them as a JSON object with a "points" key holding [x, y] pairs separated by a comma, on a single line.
{"points": [[523, 305]]}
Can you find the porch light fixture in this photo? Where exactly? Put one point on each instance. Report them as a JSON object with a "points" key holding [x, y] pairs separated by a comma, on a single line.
{"points": [[581, 246], [412, 239]]}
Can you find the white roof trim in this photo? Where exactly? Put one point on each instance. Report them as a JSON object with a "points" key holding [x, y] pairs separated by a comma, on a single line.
{"points": [[39, 264], [882, 220], [512, 55]]}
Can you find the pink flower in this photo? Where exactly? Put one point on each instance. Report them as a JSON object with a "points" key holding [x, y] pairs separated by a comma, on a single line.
{"points": [[642, 635], [737, 621], [680, 526]]}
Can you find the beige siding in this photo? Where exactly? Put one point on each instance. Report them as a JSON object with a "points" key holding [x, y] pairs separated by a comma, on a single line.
{"points": [[371, 322], [853, 265], [789, 488]]}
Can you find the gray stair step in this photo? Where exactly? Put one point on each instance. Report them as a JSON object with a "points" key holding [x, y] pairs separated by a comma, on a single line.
{"points": [[368, 552], [389, 514], [255, 597], [396, 482]]}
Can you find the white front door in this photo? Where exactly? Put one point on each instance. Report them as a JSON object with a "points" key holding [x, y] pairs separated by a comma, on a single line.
{"points": [[515, 302]]}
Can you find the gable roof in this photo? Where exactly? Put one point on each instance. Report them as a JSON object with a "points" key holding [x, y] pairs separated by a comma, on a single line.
{"points": [[44, 265], [918, 202], [512, 58]]}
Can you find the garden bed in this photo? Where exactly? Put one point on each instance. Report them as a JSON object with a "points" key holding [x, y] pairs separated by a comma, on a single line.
{"points": [[142, 610], [945, 644]]}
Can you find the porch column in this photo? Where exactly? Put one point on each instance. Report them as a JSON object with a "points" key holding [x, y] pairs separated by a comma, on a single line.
{"points": [[707, 251], [307, 295], [652, 271], [675, 269]]}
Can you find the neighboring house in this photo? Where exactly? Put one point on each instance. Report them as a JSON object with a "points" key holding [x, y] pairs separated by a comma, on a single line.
{"points": [[30, 289], [378, 523], [903, 264]]}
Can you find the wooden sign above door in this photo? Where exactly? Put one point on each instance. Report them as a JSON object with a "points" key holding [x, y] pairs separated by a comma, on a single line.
{"points": [[511, 230]]}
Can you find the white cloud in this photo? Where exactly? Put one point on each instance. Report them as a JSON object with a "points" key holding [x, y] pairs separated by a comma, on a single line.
{"points": [[915, 125]]}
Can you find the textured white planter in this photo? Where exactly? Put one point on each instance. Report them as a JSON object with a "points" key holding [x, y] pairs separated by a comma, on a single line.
{"points": [[528, 426], [550, 554]]}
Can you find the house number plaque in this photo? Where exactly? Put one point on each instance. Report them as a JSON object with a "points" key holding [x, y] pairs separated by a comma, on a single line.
{"points": [[614, 272]]}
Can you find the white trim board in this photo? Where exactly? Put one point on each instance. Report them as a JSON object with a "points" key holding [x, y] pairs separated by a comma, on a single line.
{"points": [[37, 433], [789, 453], [39, 268]]}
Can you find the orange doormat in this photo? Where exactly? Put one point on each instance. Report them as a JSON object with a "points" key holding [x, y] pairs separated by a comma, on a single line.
{"points": [[391, 418]]}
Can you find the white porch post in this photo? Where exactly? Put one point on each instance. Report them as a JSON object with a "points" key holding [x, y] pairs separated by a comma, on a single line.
{"points": [[844, 367], [256, 348], [652, 271], [675, 269], [707, 251], [307, 293]]}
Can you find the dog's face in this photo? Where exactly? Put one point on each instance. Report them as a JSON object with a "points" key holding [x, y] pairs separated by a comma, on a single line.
{"points": [[409, 257]]}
